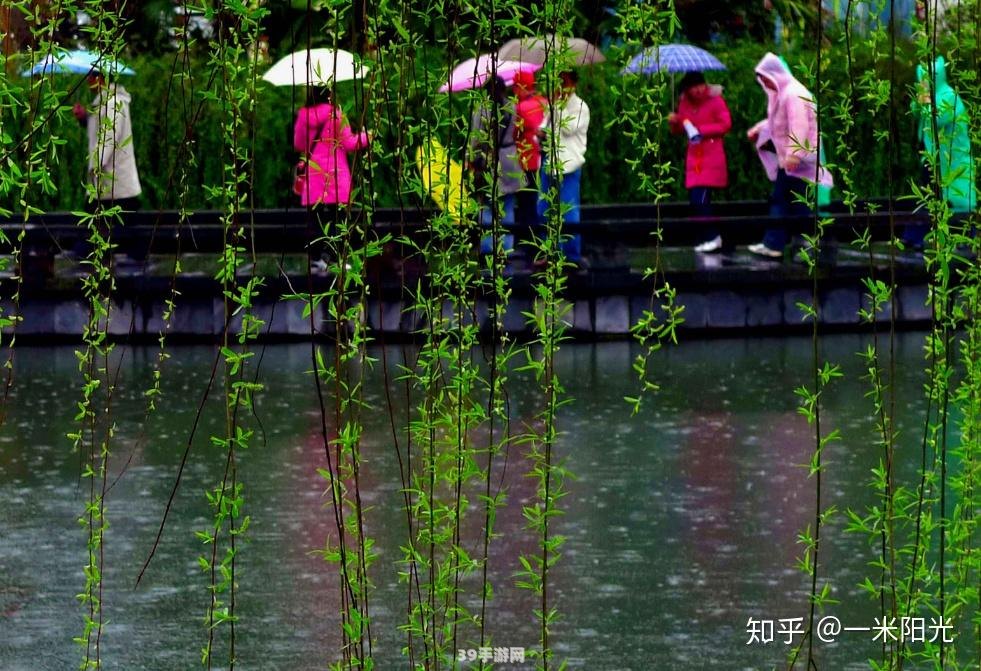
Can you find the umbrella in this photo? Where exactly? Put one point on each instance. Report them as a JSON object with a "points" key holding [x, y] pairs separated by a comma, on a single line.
{"points": [[673, 58], [318, 67], [77, 61], [534, 49], [473, 72]]}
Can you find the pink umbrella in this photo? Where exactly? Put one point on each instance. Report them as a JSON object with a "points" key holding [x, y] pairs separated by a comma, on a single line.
{"points": [[474, 72]]}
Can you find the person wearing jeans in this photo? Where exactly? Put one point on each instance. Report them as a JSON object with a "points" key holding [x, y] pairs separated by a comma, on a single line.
{"points": [[568, 199], [565, 130], [789, 199], [787, 142]]}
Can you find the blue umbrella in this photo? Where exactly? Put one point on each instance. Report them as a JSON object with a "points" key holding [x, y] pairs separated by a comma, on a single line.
{"points": [[77, 61], [672, 58]]}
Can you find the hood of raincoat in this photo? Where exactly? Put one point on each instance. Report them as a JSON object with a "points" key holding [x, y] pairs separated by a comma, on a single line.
{"points": [[940, 74], [943, 91], [772, 68]]}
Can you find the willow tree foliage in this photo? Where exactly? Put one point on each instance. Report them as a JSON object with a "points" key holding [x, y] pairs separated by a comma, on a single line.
{"points": [[452, 431]]}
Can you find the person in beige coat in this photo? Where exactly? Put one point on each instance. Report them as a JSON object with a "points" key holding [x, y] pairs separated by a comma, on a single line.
{"points": [[112, 158], [112, 169]]}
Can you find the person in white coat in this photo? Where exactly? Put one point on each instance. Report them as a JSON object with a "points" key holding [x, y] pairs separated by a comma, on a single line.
{"points": [[112, 158], [565, 133], [112, 171]]}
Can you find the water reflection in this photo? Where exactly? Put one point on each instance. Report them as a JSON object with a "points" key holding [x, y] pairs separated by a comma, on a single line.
{"points": [[681, 523]]}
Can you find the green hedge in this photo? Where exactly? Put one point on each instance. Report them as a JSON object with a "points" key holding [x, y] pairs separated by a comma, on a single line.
{"points": [[606, 178], [162, 103]]}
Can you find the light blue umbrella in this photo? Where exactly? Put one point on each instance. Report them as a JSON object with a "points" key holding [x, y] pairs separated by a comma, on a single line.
{"points": [[673, 58], [77, 61]]}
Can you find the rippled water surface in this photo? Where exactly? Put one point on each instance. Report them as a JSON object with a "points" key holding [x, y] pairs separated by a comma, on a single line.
{"points": [[681, 521]]}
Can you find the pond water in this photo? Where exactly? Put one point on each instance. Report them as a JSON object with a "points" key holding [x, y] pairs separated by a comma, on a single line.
{"points": [[681, 522]]}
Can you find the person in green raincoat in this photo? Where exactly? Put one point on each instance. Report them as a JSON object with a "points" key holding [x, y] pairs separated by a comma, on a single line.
{"points": [[950, 148]]}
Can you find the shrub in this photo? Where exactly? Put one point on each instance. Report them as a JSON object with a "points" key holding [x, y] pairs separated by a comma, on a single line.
{"points": [[169, 111]]}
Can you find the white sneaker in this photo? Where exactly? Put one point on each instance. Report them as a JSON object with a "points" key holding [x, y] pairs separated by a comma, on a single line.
{"points": [[710, 246], [321, 266], [762, 250]]}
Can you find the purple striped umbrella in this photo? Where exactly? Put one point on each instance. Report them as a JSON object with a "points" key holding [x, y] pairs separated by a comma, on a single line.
{"points": [[673, 58]]}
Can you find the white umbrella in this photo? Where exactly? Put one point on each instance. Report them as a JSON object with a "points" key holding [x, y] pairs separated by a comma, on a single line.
{"points": [[317, 67]]}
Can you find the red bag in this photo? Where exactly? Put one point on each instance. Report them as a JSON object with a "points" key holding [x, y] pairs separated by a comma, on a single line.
{"points": [[300, 178]]}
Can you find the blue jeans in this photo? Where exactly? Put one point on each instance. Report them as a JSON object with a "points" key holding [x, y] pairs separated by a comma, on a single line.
{"points": [[914, 236], [783, 203], [568, 191], [486, 220]]}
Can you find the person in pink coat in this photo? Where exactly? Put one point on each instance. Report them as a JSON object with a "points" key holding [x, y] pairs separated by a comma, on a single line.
{"points": [[787, 141], [704, 116], [324, 139]]}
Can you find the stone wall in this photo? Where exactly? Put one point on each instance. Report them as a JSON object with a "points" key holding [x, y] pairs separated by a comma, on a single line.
{"points": [[759, 309]]}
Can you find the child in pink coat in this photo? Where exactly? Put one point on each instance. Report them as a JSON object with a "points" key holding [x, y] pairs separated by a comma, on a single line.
{"points": [[704, 116], [324, 139]]}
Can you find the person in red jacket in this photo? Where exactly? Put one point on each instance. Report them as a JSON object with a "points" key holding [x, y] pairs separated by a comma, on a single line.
{"points": [[704, 116], [529, 117]]}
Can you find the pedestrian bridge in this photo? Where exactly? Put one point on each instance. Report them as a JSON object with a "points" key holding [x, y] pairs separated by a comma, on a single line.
{"points": [[721, 293]]}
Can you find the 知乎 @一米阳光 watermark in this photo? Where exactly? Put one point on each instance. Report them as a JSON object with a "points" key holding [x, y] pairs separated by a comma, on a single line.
{"points": [[829, 628]]}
